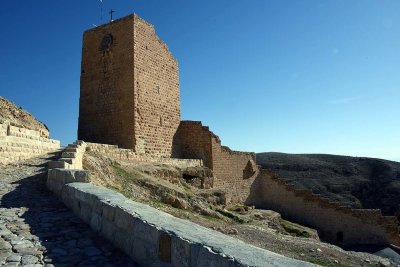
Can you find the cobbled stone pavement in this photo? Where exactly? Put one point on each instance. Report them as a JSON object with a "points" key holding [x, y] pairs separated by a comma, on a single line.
{"points": [[36, 229]]}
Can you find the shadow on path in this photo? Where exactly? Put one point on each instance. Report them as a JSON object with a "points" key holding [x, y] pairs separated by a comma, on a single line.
{"points": [[38, 226]]}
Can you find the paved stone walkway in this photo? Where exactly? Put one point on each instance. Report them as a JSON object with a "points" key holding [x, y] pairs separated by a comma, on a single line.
{"points": [[36, 229]]}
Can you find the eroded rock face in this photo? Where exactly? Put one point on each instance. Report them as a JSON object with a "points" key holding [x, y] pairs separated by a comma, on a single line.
{"points": [[13, 115]]}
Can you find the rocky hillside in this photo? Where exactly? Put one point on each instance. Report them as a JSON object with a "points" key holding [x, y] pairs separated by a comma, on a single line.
{"points": [[14, 115], [360, 182]]}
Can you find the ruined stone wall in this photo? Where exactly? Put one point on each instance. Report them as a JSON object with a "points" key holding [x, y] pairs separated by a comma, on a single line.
{"points": [[19, 143], [233, 171], [157, 106], [106, 108], [193, 141], [335, 223], [117, 153]]}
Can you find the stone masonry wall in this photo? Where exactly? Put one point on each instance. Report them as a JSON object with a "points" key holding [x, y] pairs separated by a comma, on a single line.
{"points": [[193, 141], [335, 223], [19, 143], [234, 171], [114, 152], [106, 108], [157, 96], [3, 130], [129, 88]]}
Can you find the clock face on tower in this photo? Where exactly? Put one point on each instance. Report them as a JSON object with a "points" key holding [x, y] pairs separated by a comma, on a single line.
{"points": [[106, 42]]}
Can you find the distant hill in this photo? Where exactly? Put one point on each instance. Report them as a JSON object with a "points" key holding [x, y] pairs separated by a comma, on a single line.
{"points": [[360, 182]]}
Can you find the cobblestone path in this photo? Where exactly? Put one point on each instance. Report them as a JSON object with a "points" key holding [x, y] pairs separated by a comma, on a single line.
{"points": [[36, 229]]}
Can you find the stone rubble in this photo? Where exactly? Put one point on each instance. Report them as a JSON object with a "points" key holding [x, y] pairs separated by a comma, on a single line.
{"points": [[36, 229]]}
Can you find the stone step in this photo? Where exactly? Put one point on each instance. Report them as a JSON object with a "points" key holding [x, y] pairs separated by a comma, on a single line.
{"points": [[71, 149], [69, 154], [68, 160], [58, 164]]}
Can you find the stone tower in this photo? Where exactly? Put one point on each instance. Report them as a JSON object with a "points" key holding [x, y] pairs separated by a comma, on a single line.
{"points": [[129, 88]]}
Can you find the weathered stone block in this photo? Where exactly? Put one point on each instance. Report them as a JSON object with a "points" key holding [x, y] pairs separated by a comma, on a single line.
{"points": [[74, 176], [108, 229], [69, 154], [58, 164], [180, 252], [108, 210], [208, 258], [95, 222], [85, 212], [144, 253], [57, 178], [146, 232], [123, 240], [164, 247], [124, 220]]}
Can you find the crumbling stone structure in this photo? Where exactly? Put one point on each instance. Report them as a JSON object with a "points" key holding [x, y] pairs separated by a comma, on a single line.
{"points": [[234, 171], [129, 88], [337, 224]]}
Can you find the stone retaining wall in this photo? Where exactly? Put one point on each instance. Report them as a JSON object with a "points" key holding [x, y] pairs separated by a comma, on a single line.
{"points": [[335, 223], [152, 237], [115, 152], [19, 143]]}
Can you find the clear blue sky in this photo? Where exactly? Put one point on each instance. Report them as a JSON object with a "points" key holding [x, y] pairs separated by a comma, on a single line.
{"points": [[289, 76]]}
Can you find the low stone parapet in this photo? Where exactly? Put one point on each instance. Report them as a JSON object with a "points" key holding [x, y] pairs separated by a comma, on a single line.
{"points": [[57, 178], [150, 236], [115, 152]]}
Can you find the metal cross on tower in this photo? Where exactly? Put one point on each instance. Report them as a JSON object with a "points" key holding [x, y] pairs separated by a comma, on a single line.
{"points": [[111, 14]]}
